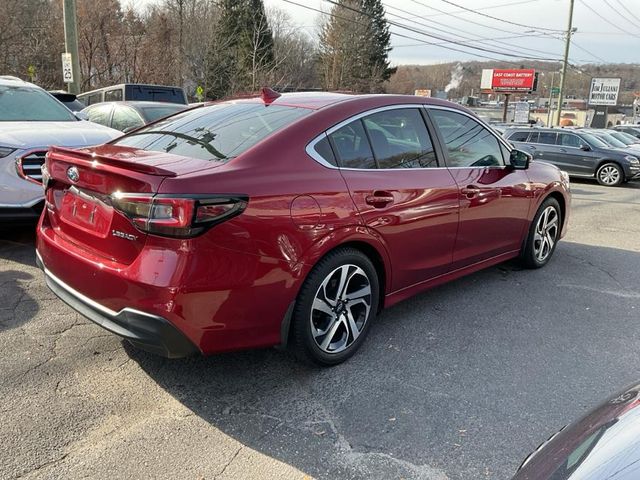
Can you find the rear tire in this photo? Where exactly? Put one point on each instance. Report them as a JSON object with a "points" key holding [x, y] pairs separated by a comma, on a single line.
{"points": [[335, 308], [610, 175], [543, 235]]}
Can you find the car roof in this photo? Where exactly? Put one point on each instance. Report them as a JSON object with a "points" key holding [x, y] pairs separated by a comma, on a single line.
{"points": [[140, 104], [319, 100], [10, 81]]}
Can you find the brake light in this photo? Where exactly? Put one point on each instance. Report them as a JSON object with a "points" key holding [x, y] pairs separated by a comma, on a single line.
{"points": [[177, 216]]}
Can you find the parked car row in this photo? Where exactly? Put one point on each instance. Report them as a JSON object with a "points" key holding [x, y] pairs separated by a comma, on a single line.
{"points": [[611, 157]]}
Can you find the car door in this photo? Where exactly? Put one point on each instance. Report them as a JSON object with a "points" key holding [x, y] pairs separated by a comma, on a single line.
{"points": [[576, 160], [494, 198], [400, 189]]}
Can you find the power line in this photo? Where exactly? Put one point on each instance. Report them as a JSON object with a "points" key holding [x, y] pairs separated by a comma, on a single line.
{"points": [[426, 34], [490, 7], [618, 27], [477, 38], [628, 11], [588, 52], [500, 19], [422, 42], [635, 25]]}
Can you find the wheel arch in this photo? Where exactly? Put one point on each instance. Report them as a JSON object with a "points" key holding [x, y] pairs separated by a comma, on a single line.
{"points": [[370, 246]]}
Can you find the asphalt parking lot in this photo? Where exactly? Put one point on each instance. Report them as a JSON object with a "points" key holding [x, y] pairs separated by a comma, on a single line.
{"points": [[461, 382]]}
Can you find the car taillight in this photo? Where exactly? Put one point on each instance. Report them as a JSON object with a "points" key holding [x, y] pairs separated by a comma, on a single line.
{"points": [[177, 216]]}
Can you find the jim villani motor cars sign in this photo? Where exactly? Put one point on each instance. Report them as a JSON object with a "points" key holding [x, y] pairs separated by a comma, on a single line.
{"points": [[604, 91]]}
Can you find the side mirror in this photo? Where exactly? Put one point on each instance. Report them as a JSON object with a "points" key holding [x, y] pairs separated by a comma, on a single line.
{"points": [[584, 147], [519, 160], [81, 115]]}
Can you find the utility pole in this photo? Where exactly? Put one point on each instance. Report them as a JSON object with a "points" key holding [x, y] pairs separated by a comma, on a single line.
{"points": [[71, 42], [565, 62]]}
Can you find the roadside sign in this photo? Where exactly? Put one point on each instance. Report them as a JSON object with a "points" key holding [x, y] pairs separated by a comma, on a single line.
{"points": [[199, 93], [555, 91], [423, 92], [521, 112], [604, 91], [67, 68], [508, 81]]}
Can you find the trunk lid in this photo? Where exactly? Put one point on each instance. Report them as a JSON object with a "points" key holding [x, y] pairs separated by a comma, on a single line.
{"points": [[79, 187]]}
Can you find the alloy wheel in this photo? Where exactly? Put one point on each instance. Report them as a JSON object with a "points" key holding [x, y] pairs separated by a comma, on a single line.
{"points": [[609, 175], [546, 233], [340, 308]]}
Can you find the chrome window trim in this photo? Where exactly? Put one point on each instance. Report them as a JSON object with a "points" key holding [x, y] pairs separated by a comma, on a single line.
{"points": [[309, 149], [316, 156]]}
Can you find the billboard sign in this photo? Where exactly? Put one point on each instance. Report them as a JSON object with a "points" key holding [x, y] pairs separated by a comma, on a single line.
{"points": [[508, 81], [604, 91]]}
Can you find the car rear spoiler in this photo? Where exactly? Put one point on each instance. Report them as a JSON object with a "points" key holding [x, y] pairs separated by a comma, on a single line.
{"points": [[93, 160]]}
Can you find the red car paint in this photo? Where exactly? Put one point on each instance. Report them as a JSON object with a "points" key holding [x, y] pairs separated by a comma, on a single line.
{"points": [[231, 287]]}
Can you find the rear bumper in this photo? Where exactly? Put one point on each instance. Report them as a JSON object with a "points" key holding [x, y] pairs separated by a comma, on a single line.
{"points": [[146, 331]]}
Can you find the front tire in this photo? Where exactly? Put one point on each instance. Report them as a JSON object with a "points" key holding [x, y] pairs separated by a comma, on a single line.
{"points": [[610, 175], [335, 308], [543, 235]]}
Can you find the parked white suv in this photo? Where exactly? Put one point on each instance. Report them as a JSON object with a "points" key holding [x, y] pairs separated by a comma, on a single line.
{"points": [[31, 120]]}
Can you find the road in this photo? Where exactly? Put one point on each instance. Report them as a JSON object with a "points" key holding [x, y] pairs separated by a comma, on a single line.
{"points": [[461, 382]]}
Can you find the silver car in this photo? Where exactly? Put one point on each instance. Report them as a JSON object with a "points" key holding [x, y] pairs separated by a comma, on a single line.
{"points": [[30, 121]]}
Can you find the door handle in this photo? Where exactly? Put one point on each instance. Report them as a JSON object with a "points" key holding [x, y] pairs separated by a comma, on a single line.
{"points": [[470, 191], [379, 199]]}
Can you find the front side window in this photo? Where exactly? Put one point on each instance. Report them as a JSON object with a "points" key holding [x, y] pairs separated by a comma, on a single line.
{"points": [[217, 132], [352, 147], [399, 139], [28, 104], [467, 142], [569, 140]]}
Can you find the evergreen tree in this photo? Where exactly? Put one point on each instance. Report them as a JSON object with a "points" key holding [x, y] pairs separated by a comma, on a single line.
{"points": [[241, 55], [354, 47]]}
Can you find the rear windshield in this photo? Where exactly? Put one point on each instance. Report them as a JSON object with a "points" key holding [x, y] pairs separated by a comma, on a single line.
{"points": [[217, 132], [155, 94], [27, 104]]}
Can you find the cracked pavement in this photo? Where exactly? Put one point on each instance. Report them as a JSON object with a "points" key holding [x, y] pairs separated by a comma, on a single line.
{"points": [[461, 382]]}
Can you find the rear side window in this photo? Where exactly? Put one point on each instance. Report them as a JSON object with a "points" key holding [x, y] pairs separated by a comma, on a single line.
{"points": [[547, 138], [217, 132], [468, 143], [352, 146], [113, 95], [155, 94], [399, 139], [519, 136], [323, 148]]}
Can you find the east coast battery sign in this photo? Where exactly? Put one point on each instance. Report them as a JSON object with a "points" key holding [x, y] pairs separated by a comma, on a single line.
{"points": [[604, 91], [507, 81]]}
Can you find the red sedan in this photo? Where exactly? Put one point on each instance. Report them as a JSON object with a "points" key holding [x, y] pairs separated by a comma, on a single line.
{"points": [[287, 220]]}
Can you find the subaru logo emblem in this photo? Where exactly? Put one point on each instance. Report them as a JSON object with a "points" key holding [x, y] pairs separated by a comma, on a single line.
{"points": [[73, 174]]}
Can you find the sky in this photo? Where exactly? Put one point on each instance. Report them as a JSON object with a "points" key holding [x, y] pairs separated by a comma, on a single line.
{"points": [[608, 31]]}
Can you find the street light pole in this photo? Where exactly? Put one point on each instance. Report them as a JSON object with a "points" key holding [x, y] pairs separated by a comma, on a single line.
{"points": [[71, 42], [567, 45]]}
